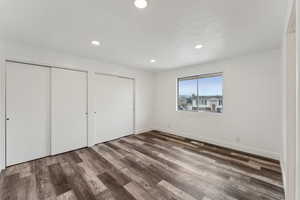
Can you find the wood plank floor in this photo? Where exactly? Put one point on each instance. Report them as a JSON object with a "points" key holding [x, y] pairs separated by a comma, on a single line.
{"points": [[148, 166]]}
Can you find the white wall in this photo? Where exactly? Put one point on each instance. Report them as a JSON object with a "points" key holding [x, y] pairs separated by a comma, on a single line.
{"points": [[252, 105], [143, 81]]}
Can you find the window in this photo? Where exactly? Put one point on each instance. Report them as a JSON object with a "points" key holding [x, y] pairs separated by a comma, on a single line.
{"points": [[201, 93]]}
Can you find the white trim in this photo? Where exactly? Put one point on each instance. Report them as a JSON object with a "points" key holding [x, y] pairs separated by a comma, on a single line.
{"points": [[114, 75], [42, 64], [286, 165], [2, 108], [143, 130], [5, 114], [290, 170], [246, 149], [297, 20], [283, 171], [287, 19]]}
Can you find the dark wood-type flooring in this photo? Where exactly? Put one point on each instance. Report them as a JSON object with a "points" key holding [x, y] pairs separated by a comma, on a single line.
{"points": [[147, 166]]}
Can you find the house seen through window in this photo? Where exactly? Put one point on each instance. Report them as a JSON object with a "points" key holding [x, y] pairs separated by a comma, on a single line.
{"points": [[201, 93]]}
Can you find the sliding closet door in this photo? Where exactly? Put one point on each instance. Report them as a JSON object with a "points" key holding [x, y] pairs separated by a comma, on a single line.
{"points": [[114, 107], [68, 110], [27, 112]]}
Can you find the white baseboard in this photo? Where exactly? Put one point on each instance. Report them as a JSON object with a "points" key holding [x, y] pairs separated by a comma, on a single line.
{"points": [[143, 130], [284, 175], [246, 149], [2, 167]]}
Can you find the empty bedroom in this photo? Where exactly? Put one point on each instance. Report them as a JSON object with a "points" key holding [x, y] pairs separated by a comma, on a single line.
{"points": [[149, 100]]}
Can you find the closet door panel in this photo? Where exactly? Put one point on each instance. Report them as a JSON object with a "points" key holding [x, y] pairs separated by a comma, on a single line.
{"points": [[68, 110], [114, 107], [28, 112]]}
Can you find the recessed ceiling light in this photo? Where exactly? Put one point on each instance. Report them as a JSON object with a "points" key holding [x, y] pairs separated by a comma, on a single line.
{"points": [[152, 61], [140, 3], [95, 43], [198, 46]]}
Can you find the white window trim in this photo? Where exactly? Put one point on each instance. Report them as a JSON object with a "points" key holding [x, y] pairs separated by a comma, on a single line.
{"points": [[207, 75]]}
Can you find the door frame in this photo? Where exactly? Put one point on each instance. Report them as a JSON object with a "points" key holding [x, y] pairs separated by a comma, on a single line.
{"points": [[5, 99], [134, 94], [291, 152], [297, 32]]}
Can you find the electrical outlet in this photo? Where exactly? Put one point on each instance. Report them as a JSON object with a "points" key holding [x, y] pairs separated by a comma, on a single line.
{"points": [[238, 139]]}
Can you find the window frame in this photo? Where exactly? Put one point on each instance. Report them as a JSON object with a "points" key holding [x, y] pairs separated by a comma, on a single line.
{"points": [[193, 77]]}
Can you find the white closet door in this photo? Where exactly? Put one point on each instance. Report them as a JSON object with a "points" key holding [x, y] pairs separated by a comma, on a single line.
{"points": [[68, 110], [114, 107], [28, 112]]}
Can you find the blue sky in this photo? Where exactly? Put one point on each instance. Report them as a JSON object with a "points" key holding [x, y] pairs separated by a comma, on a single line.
{"points": [[207, 86]]}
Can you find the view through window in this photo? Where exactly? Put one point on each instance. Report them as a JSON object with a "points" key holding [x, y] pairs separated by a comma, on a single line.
{"points": [[201, 93]]}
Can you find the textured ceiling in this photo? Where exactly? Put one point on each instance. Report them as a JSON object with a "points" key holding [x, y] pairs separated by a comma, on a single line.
{"points": [[167, 30]]}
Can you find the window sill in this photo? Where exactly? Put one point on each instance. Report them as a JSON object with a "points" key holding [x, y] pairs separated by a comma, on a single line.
{"points": [[191, 111]]}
